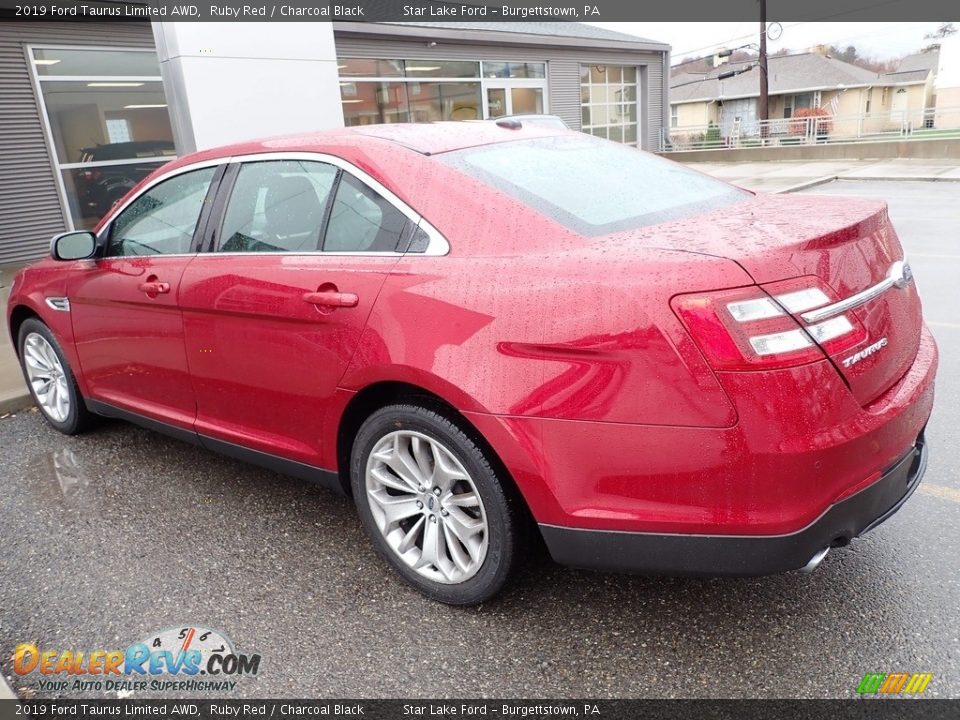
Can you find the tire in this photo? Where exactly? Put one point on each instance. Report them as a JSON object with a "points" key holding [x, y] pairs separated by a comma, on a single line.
{"points": [[40, 354], [474, 545]]}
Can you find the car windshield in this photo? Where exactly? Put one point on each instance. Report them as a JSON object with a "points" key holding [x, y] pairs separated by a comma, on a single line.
{"points": [[594, 187]]}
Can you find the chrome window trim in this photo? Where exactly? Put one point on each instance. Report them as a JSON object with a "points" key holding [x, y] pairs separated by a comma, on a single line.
{"points": [[308, 253], [152, 257], [437, 246], [899, 275]]}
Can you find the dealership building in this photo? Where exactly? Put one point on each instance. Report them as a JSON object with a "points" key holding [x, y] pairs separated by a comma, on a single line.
{"points": [[89, 108]]}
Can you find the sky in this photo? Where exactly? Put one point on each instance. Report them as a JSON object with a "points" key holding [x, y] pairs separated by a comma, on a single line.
{"points": [[882, 40]]}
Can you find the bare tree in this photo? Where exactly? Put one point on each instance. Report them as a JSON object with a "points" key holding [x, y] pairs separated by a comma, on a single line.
{"points": [[944, 30]]}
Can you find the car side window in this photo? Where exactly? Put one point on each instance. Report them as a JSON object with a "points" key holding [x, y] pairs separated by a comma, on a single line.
{"points": [[162, 220], [277, 206], [362, 221]]}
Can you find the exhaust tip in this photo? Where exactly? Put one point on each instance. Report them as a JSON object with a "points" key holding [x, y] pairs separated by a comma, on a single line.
{"points": [[815, 561]]}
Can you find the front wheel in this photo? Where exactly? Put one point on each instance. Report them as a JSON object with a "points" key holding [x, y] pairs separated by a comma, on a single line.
{"points": [[50, 379], [433, 505]]}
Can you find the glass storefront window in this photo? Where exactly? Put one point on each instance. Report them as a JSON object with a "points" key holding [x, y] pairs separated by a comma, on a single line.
{"points": [[64, 62], [431, 101], [364, 67], [387, 91], [95, 120], [526, 101], [108, 123], [608, 97], [368, 102], [441, 69], [373, 68], [514, 70]]}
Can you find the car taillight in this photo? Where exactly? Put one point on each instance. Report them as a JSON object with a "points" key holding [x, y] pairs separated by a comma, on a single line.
{"points": [[759, 327]]}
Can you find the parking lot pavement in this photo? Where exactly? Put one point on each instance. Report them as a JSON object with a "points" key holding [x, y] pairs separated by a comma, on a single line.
{"points": [[107, 537]]}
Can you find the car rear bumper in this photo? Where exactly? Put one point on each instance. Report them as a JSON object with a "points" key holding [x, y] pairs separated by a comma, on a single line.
{"points": [[743, 555]]}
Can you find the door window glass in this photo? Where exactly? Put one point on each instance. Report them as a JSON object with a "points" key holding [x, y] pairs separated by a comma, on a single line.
{"points": [[277, 206], [162, 220], [496, 102], [362, 221], [526, 101]]}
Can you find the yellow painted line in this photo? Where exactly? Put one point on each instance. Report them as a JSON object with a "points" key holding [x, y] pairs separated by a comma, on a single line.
{"points": [[940, 491]]}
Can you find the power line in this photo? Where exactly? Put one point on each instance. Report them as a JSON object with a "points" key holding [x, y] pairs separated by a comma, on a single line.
{"points": [[739, 37], [847, 38]]}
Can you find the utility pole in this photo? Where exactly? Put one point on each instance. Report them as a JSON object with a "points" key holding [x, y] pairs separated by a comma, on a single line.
{"points": [[763, 109]]}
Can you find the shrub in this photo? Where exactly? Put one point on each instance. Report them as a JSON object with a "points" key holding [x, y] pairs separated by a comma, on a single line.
{"points": [[823, 125], [713, 135]]}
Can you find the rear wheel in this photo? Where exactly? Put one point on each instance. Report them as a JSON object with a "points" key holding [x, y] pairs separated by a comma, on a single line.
{"points": [[50, 379], [433, 505]]}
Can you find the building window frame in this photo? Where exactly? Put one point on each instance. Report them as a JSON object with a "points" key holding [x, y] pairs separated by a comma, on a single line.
{"points": [[36, 82], [637, 102], [485, 83], [790, 102]]}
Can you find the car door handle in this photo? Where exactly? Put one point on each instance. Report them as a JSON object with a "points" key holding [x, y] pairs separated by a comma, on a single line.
{"points": [[331, 299], [154, 288]]}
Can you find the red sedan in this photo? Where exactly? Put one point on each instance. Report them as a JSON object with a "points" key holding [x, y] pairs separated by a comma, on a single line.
{"points": [[487, 331]]}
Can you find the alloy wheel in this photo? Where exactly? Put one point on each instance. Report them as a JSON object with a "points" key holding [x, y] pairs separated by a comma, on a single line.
{"points": [[426, 506], [47, 377]]}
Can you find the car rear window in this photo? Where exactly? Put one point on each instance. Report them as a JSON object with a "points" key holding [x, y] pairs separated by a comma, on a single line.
{"points": [[594, 187]]}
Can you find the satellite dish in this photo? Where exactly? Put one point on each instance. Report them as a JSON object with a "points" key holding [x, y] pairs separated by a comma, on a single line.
{"points": [[774, 31]]}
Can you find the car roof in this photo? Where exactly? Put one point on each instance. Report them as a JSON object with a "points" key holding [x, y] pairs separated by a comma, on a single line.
{"points": [[423, 138], [441, 137]]}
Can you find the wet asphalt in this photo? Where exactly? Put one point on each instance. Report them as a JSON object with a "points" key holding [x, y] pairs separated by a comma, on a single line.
{"points": [[108, 537]]}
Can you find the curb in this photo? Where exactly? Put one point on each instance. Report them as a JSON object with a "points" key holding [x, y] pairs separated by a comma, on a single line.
{"points": [[887, 178], [15, 402], [809, 184], [867, 178]]}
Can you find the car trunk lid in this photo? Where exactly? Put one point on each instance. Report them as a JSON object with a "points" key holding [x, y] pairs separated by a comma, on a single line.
{"points": [[845, 246]]}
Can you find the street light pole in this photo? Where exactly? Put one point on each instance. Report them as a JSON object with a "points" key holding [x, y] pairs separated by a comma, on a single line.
{"points": [[763, 110]]}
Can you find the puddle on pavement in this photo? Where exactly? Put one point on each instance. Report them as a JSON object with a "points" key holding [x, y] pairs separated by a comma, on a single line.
{"points": [[60, 479]]}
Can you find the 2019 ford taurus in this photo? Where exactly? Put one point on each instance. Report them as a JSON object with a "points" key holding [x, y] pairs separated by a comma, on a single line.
{"points": [[482, 331]]}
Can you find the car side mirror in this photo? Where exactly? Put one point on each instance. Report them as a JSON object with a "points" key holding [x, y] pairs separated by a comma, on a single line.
{"points": [[77, 245]]}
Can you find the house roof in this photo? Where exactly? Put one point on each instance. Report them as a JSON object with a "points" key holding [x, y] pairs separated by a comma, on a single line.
{"points": [[920, 61], [911, 77], [915, 68], [557, 33], [786, 73]]}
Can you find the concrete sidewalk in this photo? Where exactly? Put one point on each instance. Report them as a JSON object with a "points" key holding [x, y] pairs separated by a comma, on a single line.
{"points": [[776, 177], [762, 176], [13, 390], [6, 692]]}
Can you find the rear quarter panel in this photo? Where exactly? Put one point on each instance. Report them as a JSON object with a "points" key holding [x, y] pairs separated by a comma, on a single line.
{"points": [[586, 335]]}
